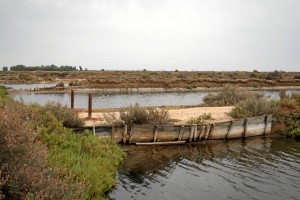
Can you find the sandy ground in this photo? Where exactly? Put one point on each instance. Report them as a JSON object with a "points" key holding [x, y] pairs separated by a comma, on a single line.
{"points": [[179, 116]]}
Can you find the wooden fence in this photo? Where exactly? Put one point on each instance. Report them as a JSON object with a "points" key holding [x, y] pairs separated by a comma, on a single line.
{"points": [[152, 134]]}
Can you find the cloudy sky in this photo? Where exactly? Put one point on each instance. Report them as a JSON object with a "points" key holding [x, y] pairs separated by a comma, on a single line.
{"points": [[199, 35]]}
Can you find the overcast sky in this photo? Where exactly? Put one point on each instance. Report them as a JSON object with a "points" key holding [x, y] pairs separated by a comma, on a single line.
{"points": [[199, 35]]}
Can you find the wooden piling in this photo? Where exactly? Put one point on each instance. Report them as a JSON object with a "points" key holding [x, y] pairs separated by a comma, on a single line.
{"points": [[180, 133], [113, 133], [266, 124], [229, 129], [90, 106], [94, 130], [202, 133], [72, 99], [155, 134], [191, 133], [124, 134], [245, 128]]}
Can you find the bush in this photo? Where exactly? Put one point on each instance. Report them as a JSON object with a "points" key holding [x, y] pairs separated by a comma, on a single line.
{"points": [[138, 115], [92, 161], [252, 107], [68, 117], [288, 116], [200, 119], [135, 115], [229, 96], [158, 116], [23, 159]]}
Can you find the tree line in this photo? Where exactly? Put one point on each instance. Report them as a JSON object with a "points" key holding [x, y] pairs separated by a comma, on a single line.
{"points": [[42, 68]]}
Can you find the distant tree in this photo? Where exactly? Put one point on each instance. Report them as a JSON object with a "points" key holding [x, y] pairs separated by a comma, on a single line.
{"points": [[80, 68], [5, 69], [17, 68], [85, 69]]}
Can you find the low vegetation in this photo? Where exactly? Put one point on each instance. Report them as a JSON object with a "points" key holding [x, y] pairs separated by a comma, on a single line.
{"points": [[135, 114], [200, 119], [228, 96], [41, 159], [285, 111]]}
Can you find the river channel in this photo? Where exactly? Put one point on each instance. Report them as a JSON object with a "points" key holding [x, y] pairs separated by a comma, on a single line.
{"points": [[254, 168], [119, 100]]}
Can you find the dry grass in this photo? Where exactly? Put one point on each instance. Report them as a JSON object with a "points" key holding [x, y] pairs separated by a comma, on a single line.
{"points": [[155, 79]]}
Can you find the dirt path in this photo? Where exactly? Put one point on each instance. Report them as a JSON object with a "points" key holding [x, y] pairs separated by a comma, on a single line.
{"points": [[180, 115]]}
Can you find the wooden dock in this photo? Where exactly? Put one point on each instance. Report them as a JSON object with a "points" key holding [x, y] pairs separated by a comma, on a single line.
{"points": [[169, 134]]}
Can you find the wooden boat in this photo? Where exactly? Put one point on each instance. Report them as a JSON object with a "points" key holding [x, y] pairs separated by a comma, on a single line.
{"points": [[169, 134]]}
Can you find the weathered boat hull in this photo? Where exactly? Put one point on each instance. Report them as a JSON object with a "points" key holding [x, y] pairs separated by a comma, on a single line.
{"points": [[241, 128]]}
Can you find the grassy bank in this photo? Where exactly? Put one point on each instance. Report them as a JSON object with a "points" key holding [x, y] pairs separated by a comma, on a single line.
{"points": [[41, 159]]}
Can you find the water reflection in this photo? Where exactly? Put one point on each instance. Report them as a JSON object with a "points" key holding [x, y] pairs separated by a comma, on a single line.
{"points": [[255, 168]]}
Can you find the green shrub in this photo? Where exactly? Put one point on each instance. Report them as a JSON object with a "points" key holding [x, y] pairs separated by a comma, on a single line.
{"points": [[138, 115], [135, 115], [252, 107], [68, 117], [229, 96], [92, 160], [200, 119], [158, 116], [288, 116]]}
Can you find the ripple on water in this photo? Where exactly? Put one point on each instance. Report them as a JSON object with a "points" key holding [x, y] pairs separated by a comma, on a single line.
{"points": [[256, 168]]}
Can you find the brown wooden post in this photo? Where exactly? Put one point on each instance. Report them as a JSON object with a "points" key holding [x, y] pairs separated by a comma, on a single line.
{"points": [[211, 131], [202, 133], [180, 133], [195, 133], [245, 128], [124, 134], [113, 133], [266, 124], [90, 106], [155, 134], [72, 99], [191, 133], [229, 129]]}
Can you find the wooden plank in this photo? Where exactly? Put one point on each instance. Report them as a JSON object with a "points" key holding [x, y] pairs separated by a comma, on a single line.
{"points": [[160, 143]]}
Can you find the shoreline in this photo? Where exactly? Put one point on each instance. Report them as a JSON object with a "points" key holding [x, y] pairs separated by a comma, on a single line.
{"points": [[146, 90]]}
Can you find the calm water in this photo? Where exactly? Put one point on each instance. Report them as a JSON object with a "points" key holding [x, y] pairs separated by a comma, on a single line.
{"points": [[124, 100], [255, 168]]}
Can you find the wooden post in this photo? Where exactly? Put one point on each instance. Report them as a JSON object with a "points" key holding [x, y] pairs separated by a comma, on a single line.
{"points": [[202, 133], [245, 128], [191, 133], [130, 135], [90, 106], [229, 129], [211, 131], [113, 133], [72, 99], [195, 133], [124, 134], [94, 130], [266, 124], [155, 134], [180, 133], [207, 131]]}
